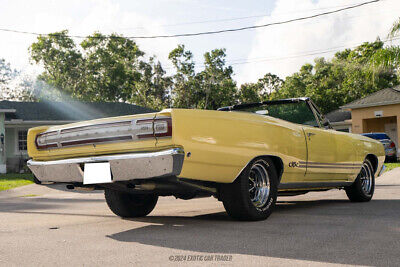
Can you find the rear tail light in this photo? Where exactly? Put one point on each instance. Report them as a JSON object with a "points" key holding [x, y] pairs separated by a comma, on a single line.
{"points": [[160, 127], [392, 144], [145, 128], [129, 130], [46, 140]]}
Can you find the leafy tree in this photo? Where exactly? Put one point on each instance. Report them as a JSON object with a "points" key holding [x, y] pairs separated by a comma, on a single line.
{"points": [[249, 93], [186, 91], [19, 89], [112, 67], [209, 89], [6, 73], [64, 65], [154, 88], [347, 77], [31, 89], [265, 88], [269, 84], [100, 68], [296, 84], [218, 87], [11, 85]]}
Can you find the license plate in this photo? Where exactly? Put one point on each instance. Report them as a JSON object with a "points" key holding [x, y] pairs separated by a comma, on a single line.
{"points": [[97, 173]]}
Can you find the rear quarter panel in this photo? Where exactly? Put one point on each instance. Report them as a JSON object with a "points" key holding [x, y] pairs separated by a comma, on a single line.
{"points": [[221, 144]]}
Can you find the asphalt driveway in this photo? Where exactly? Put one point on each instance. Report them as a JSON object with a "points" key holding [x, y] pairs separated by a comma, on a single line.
{"points": [[48, 225]]}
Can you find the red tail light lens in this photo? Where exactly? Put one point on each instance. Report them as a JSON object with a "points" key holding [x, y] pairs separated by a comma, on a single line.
{"points": [[160, 127], [392, 144], [163, 127]]}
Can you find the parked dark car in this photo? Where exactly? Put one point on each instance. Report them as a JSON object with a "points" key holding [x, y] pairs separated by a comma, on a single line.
{"points": [[390, 146]]}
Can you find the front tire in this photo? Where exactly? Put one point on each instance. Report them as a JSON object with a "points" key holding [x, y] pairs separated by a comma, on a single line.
{"points": [[363, 187], [252, 196], [128, 205]]}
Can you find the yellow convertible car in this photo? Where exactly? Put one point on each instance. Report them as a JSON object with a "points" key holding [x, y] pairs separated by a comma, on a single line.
{"points": [[244, 155]]}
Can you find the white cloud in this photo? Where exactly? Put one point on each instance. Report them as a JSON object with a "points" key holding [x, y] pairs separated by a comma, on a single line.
{"points": [[80, 18], [107, 17], [132, 18], [347, 28]]}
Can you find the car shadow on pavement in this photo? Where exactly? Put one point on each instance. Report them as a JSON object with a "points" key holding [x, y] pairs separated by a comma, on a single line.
{"points": [[334, 231]]}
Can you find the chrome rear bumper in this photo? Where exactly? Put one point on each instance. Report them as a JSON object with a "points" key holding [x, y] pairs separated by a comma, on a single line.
{"points": [[124, 167]]}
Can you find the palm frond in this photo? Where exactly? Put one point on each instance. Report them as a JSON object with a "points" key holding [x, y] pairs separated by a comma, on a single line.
{"points": [[395, 29], [389, 57]]}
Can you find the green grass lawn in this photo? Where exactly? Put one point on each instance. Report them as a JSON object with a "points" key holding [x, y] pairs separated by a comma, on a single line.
{"points": [[391, 166], [8, 181]]}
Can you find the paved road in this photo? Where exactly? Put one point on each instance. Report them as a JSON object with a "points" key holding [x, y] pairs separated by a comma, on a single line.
{"points": [[50, 226]]}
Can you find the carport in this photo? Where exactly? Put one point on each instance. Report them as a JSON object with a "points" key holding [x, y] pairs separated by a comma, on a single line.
{"points": [[378, 112]]}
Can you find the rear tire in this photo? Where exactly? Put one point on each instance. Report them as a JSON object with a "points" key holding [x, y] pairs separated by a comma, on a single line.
{"points": [[128, 205], [363, 187], [252, 196]]}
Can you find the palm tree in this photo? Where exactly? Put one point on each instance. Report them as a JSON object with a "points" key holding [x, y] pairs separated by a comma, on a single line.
{"points": [[395, 29], [388, 58]]}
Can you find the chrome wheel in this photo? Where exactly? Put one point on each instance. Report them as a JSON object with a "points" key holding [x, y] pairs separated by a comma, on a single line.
{"points": [[366, 176], [259, 184], [363, 187]]}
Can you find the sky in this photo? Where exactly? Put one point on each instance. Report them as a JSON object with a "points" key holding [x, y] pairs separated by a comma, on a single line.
{"points": [[280, 49]]}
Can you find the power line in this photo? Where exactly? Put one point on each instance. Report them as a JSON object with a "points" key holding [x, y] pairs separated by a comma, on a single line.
{"points": [[302, 54], [206, 32], [235, 18]]}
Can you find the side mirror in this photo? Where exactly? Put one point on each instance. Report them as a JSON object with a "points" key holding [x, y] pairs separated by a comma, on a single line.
{"points": [[2, 138], [326, 124]]}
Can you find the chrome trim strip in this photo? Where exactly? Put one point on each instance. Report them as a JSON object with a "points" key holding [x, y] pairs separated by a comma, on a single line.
{"points": [[175, 151], [327, 167], [72, 128], [338, 164], [321, 165], [95, 126], [130, 123], [309, 185]]}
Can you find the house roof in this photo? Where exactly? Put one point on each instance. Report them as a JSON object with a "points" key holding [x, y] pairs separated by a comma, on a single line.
{"points": [[67, 111], [382, 97], [338, 115]]}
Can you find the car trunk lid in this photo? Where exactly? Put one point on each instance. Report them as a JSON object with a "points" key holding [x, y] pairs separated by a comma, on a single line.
{"points": [[103, 136]]}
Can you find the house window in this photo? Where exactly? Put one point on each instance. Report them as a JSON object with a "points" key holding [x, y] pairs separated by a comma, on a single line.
{"points": [[22, 140]]}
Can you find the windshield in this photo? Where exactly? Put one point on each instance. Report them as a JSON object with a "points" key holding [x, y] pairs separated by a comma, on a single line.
{"points": [[296, 112]]}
